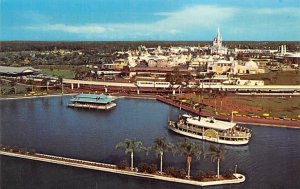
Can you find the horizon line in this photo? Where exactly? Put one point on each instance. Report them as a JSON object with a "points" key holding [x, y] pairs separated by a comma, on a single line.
{"points": [[145, 41]]}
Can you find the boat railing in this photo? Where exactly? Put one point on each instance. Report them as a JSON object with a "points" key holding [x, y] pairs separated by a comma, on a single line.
{"points": [[237, 134]]}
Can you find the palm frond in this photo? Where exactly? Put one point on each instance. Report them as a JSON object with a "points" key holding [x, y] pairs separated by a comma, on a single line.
{"points": [[216, 153], [160, 145], [188, 148]]}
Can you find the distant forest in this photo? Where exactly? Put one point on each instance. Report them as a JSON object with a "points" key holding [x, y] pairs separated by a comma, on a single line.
{"points": [[108, 47]]}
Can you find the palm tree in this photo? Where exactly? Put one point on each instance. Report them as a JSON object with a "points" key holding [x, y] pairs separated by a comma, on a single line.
{"points": [[13, 84], [216, 154], [160, 145], [222, 95], [0, 87], [189, 149], [46, 81], [61, 81], [131, 146], [200, 86], [200, 108], [214, 96]]}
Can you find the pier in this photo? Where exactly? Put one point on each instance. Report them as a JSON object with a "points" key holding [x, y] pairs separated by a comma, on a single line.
{"points": [[113, 168]]}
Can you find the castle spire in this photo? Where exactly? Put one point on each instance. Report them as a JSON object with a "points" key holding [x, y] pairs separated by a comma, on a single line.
{"points": [[218, 34], [217, 46]]}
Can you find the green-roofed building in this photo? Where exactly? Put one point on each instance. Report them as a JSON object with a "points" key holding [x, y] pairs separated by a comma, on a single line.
{"points": [[92, 101]]}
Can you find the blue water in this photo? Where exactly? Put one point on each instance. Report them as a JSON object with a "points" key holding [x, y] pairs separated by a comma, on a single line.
{"points": [[271, 160]]}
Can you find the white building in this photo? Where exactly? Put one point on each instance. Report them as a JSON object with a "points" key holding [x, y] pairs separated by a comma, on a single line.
{"points": [[217, 47]]}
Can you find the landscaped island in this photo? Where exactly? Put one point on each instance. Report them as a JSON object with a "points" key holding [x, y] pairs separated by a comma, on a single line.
{"points": [[169, 175]]}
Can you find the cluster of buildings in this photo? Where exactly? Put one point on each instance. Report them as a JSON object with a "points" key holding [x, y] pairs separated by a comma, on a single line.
{"points": [[190, 61], [215, 58], [61, 52]]}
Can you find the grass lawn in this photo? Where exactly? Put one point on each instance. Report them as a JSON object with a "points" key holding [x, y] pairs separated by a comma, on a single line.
{"points": [[68, 74], [277, 78], [275, 106]]}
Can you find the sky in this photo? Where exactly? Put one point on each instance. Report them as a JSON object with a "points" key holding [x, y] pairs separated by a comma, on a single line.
{"points": [[134, 20]]}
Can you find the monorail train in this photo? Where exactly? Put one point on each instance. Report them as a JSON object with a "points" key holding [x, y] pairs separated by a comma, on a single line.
{"points": [[165, 84], [220, 86], [204, 85], [154, 84]]}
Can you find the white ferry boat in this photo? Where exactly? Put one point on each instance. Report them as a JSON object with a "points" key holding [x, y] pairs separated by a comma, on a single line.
{"points": [[210, 129]]}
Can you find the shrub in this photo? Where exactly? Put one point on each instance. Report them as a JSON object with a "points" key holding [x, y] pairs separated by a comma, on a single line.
{"points": [[149, 168], [200, 175], [228, 174], [122, 165], [180, 173], [152, 168], [210, 174], [171, 171], [31, 151], [143, 167]]}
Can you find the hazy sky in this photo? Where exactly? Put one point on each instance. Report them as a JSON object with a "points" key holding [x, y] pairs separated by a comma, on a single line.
{"points": [[149, 19]]}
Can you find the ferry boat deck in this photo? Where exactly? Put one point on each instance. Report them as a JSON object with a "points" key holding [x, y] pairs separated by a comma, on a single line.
{"points": [[210, 129]]}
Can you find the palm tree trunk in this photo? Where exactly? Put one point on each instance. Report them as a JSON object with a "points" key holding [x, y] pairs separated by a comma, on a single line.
{"points": [[161, 161], [189, 170], [189, 160], [221, 103], [218, 168], [215, 105], [131, 155]]}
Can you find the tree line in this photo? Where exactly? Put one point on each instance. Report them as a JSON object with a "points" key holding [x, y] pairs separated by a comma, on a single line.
{"points": [[185, 147]]}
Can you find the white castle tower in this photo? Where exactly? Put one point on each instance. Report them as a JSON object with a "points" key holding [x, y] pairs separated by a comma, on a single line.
{"points": [[217, 47], [282, 50]]}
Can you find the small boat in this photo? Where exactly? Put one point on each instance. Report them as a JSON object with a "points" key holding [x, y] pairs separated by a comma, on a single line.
{"points": [[211, 129], [92, 101]]}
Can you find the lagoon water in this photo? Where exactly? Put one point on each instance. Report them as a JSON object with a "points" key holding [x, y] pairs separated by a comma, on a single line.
{"points": [[271, 160]]}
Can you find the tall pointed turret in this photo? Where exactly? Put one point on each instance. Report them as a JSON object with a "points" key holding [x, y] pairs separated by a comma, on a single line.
{"points": [[217, 47], [218, 34]]}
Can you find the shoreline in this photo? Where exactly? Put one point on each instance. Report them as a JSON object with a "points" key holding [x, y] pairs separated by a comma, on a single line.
{"points": [[33, 97]]}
